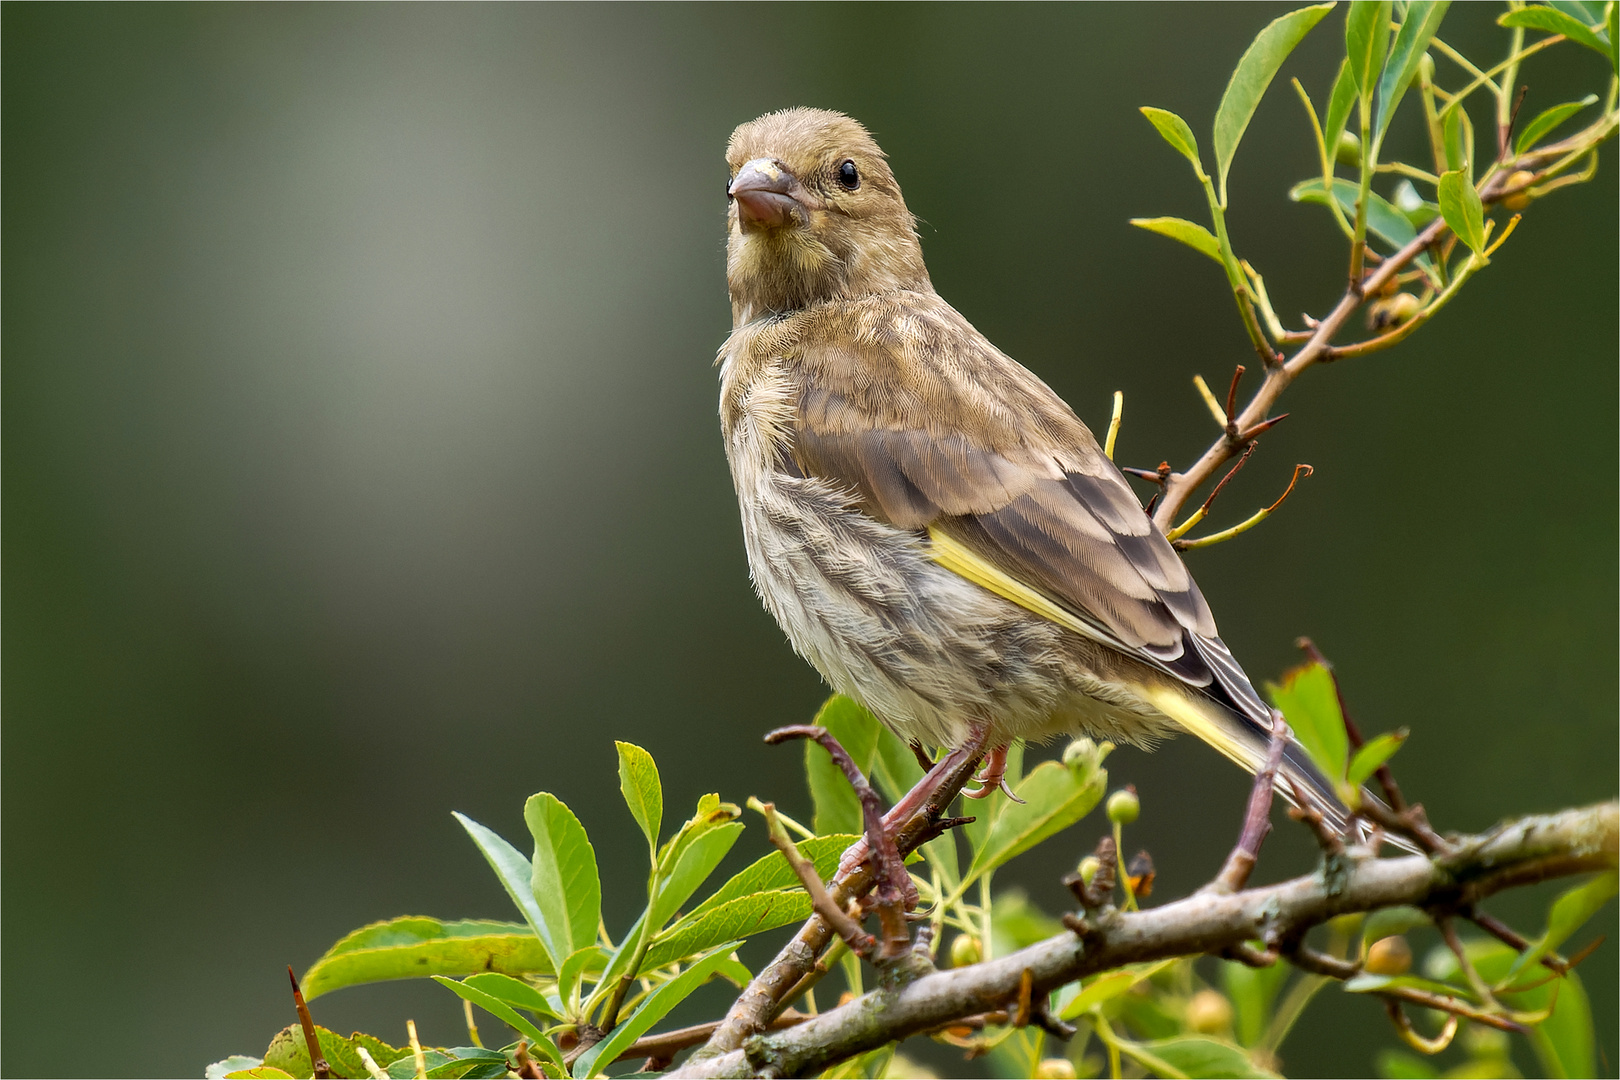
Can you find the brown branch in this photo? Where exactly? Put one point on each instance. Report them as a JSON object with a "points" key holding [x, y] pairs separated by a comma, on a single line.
{"points": [[1530, 849], [317, 1059], [1257, 821], [762, 998], [665, 1045], [858, 940]]}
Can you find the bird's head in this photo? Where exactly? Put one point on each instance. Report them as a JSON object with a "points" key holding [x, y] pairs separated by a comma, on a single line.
{"points": [[815, 214]]}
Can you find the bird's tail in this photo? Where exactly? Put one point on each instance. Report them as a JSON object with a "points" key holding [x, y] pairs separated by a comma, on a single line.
{"points": [[1242, 739]]}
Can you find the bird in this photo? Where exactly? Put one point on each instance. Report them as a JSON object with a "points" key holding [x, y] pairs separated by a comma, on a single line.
{"points": [[932, 526]]}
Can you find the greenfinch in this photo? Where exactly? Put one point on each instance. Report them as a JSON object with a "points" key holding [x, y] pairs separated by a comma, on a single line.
{"points": [[935, 530]]}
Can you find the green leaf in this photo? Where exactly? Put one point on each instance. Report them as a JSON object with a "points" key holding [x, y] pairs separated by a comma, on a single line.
{"points": [[512, 991], [1371, 984], [1252, 991], [1557, 22], [566, 887], [496, 1007], [1395, 1065], [582, 962], [1190, 233], [1568, 913], [643, 793], [1251, 77], [516, 874], [1366, 41], [254, 1072], [1458, 136], [1549, 120], [653, 1009], [290, 1053], [1109, 985], [1374, 753], [415, 946], [837, 808], [1338, 113], [1055, 797], [1564, 1041], [1176, 132], [454, 1062], [1460, 206], [236, 1063], [894, 768], [773, 872], [695, 862], [1310, 703], [1196, 1055], [1417, 30], [1384, 220], [1386, 922], [737, 918]]}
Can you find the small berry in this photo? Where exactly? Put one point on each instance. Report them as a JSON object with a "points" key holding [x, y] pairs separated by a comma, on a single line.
{"points": [[1209, 1013], [965, 951], [1124, 807], [1055, 1069], [1389, 956]]}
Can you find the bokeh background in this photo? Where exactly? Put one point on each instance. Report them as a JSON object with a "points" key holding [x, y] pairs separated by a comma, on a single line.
{"points": [[361, 462]]}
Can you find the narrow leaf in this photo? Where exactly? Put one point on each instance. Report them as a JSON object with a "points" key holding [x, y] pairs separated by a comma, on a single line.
{"points": [[643, 793], [1250, 79], [1458, 137], [512, 991], [773, 872], [566, 887], [1568, 914], [1417, 30], [1252, 990], [1338, 113], [1389, 921], [1372, 754], [837, 810], [1055, 797], [589, 960], [516, 874], [1109, 985], [1384, 220], [1563, 1041], [1557, 22], [1460, 206], [1176, 132], [495, 1006], [1203, 1056], [739, 918], [1187, 232], [1366, 41], [695, 863], [414, 946], [1550, 119], [1372, 984], [1310, 704], [653, 1009]]}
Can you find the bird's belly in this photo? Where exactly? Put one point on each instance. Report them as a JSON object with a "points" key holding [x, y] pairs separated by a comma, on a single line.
{"points": [[926, 650]]}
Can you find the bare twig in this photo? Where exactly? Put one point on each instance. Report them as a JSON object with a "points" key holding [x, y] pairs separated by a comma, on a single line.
{"points": [[665, 1045], [1530, 849], [859, 941], [1257, 822]]}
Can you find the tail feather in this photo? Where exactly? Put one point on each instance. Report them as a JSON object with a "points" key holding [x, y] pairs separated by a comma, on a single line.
{"points": [[1242, 739]]}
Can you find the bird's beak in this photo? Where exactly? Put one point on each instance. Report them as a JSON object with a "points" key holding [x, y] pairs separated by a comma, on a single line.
{"points": [[766, 194]]}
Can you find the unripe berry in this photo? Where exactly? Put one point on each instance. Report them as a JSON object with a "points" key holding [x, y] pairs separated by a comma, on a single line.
{"points": [[1389, 956], [1209, 1013], [1124, 807], [1088, 868], [1348, 152], [965, 951], [1055, 1069], [1391, 311], [1519, 199]]}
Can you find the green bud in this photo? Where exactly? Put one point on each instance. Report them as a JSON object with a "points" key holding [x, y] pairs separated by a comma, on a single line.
{"points": [[1124, 807], [1079, 752], [1088, 868], [1348, 152], [965, 951], [1426, 69]]}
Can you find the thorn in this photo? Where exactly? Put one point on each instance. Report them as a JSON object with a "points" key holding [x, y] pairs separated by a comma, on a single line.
{"points": [[317, 1060], [1262, 427], [1300, 472], [1231, 391], [1150, 475]]}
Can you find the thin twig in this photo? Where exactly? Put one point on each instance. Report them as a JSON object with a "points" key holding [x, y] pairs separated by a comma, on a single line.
{"points": [[859, 941], [1257, 822]]}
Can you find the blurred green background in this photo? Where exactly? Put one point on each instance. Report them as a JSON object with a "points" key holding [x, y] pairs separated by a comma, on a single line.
{"points": [[361, 461]]}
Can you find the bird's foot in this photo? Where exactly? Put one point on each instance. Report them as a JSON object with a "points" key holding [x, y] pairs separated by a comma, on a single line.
{"points": [[993, 778]]}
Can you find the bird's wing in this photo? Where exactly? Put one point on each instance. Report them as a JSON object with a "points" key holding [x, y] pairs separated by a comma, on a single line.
{"points": [[904, 403]]}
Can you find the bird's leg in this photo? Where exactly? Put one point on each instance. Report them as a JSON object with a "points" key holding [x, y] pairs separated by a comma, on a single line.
{"points": [[927, 791], [993, 777]]}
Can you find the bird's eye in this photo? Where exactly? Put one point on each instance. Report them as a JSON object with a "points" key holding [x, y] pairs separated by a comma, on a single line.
{"points": [[848, 177]]}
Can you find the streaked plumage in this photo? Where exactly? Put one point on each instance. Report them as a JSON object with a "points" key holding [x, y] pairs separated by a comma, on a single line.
{"points": [[935, 530]]}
